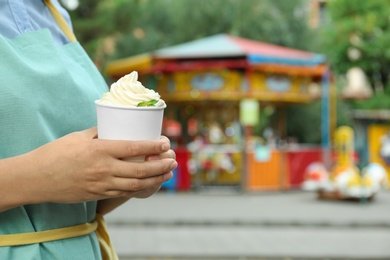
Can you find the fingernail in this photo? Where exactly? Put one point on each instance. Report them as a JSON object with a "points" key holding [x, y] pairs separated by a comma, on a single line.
{"points": [[165, 146], [173, 165], [168, 176]]}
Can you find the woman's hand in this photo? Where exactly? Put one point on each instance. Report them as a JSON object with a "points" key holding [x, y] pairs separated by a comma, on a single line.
{"points": [[107, 205], [78, 167], [153, 189]]}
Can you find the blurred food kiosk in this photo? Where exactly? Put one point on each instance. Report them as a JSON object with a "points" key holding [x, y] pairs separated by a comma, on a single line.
{"points": [[214, 88]]}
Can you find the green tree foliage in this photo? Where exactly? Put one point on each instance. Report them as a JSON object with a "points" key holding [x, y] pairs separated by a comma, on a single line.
{"points": [[139, 26], [358, 35], [95, 22], [169, 22], [308, 130]]}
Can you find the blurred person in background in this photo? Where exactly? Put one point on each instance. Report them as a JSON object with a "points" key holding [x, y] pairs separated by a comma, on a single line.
{"points": [[56, 178]]}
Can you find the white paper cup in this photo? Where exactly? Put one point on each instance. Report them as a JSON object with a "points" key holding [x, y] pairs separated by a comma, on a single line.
{"points": [[129, 123]]}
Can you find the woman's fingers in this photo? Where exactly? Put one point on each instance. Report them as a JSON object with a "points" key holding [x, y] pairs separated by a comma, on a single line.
{"points": [[136, 185], [147, 169], [167, 154], [164, 155], [125, 149], [164, 138]]}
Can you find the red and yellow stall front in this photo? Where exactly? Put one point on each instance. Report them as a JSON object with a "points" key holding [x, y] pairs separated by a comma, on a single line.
{"points": [[214, 88]]}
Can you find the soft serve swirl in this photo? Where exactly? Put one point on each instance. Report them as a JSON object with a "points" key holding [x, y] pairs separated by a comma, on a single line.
{"points": [[128, 91]]}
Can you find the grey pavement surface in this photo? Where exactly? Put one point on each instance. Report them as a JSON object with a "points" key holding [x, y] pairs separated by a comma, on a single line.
{"points": [[270, 225]]}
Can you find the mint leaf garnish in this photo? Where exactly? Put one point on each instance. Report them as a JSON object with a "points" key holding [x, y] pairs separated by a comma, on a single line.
{"points": [[149, 103]]}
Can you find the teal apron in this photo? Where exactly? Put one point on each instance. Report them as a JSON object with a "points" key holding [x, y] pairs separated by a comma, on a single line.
{"points": [[46, 92]]}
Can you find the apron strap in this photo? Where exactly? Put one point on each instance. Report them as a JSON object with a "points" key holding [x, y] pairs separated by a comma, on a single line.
{"points": [[47, 235], [106, 247], [99, 225], [60, 21]]}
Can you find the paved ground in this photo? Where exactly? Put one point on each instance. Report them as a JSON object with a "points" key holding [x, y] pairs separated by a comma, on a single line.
{"points": [[246, 226]]}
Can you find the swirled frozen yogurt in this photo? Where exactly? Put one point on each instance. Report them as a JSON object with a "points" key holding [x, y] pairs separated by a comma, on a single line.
{"points": [[129, 92]]}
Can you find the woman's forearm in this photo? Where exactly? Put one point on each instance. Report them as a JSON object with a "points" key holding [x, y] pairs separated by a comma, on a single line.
{"points": [[15, 182]]}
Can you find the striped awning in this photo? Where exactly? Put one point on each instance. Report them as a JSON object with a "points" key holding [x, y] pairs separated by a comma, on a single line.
{"points": [[218, 48]]}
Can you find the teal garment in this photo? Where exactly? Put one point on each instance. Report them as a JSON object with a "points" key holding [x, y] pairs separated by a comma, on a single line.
{"points": [[46, 91]]}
